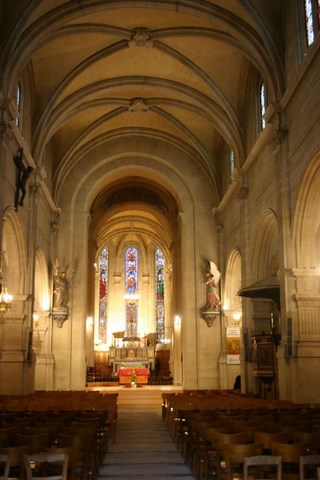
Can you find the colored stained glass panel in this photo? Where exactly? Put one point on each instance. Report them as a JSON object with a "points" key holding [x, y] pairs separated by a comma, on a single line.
{"points": [[160, 294]]}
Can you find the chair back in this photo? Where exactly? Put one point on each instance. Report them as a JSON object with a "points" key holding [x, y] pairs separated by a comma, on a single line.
{"points": [[313, 438], [46, 466], [16, 459], [222, 438], [34, 442], [5, 466], [268, 438], [308, 466], [257, 463], [234, 454], [290, 452]]}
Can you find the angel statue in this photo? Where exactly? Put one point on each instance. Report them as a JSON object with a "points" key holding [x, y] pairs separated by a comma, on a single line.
{"points": [[60, 291], [212, 297]]}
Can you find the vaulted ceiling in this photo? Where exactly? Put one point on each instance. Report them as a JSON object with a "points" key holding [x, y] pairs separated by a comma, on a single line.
{"points": [[169, 70]]}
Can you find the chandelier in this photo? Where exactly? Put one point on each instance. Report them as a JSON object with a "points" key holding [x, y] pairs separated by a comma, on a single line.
{"points": [[5, 297]]}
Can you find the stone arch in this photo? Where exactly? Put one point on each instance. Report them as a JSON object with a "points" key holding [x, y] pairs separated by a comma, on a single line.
{"points": [[41, 283], [233, 281], [14, 246], [306, 225], [266, 246]]}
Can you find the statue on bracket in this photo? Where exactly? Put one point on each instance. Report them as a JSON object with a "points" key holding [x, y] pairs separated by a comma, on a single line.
{"points": [[212, 307], [22, 176], [60, 298]]}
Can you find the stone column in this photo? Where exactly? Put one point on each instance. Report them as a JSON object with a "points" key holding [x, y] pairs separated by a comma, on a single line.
{"points": [[286, 252], [303, 336]]}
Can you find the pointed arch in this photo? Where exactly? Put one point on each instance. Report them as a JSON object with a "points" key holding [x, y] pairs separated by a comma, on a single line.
{"points": [[41, 283], [13, 243], [266, 246], [306, 225], [233, 281]]}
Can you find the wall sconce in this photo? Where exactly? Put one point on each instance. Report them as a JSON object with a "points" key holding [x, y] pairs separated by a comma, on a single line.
{"points": [[5, 297], [235, 315], [89, 322], [35, 317], [177, 321]]}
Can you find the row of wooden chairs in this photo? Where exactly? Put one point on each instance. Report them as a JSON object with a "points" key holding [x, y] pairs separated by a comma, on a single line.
{"points": [[47, 466], [58, 400], [78, 425], [85, 435], [208, 437]]}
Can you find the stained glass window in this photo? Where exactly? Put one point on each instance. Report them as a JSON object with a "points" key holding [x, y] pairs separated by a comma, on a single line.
{"points": [[312, 19], [309, 21], [231, 164], [132, 293], [103, 294], [132, 271], [18, 103], [263, 103], [160, 310]]}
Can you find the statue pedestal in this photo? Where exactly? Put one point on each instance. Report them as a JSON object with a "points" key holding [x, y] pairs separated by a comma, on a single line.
{"points": [[209, 316]]}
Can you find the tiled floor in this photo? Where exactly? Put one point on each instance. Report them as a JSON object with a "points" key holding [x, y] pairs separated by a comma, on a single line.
{"points": [[143, 450]]}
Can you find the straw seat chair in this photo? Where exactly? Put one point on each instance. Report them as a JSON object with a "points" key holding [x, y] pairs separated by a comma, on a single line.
{"points": [[313, 438], [308, 466], [3, 439], [234, 454], [214, 460], [49, 466], [7, 435], [290, 453], [16, 455], [207, 440], [50, 430], [262, 466], [5, 466], [86, 460], [73, 453], [268, 438], [34, 441], [98, 435]]}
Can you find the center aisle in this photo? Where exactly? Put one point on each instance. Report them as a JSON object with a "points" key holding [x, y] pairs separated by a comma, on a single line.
{"points": [[143, 448]]}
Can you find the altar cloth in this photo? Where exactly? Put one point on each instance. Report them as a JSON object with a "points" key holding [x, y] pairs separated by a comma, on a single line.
{"points": [[139, 375], [128, 371]]}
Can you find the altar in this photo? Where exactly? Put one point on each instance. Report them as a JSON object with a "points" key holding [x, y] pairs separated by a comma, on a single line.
{"points": [[137, 374], [131, 357]]}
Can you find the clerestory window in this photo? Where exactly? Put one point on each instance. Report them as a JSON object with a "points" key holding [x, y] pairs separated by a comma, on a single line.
{"points": [[103, 294], [18, 105], [263, 106], [312, 20], [160, 290]]}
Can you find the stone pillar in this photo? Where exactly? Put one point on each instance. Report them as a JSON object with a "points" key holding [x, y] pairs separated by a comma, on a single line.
{"points": [[286, 252], [16, 358], [42, 333], [303, 337]]}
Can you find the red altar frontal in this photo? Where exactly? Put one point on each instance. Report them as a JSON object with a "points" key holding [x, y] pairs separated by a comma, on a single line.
{"points": [[139, 375]]}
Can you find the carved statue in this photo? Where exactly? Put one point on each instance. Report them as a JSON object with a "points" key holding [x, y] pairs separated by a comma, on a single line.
{"points": [[213, 300], [212, 276], [23, 174], [60, 291]]}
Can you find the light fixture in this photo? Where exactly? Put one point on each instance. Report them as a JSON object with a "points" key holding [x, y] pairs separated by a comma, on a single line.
{"points": [[235, 315], [35, 317], [5, 297]]}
